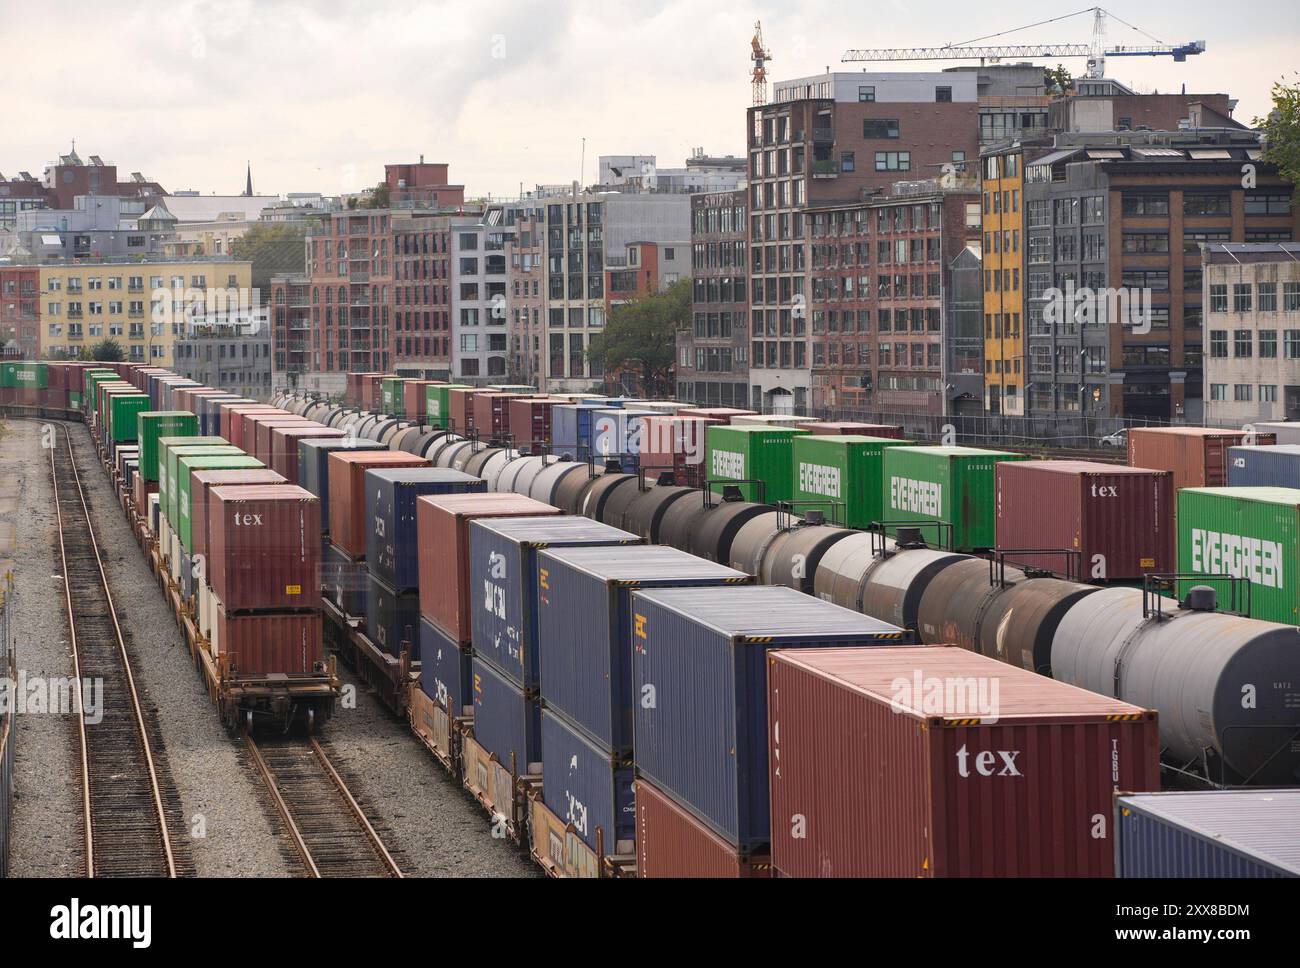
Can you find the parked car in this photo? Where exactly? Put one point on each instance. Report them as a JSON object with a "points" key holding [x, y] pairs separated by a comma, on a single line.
{"points": [[1118, 439]]}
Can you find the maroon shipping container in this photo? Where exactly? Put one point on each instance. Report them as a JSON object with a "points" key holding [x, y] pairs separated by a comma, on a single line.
{"points": [[414, 400], [232, 422], [347, 483], [57, 376], [284, 446], [874, 773], [442, 539], [264, 546], [675, 444], [225, 414], [846, 427], [357, 389], [270, 643], [374, 399], [670, 842], [201, 484], [1120, 519], [460, 409], [721, 414], [530, 422], [492, 414], [261, 441], [1197, 456]]}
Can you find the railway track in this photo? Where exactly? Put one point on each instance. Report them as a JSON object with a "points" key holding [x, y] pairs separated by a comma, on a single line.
{"points": [[327, 825], [129, 805]]}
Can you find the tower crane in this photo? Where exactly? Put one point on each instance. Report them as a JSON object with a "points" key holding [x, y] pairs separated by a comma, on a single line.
{"points": [[1096, 52], [760, 55]]}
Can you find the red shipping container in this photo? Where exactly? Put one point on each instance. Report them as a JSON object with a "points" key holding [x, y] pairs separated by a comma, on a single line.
{"points": [[721, 414], [876, 773], [530, 422], [347, 482], [224, 415], [264, 546], [675, 444], [57, 376], [414, 399], [357, 387], [846, 427], [1120, 519], [442, 539], [270, 643], [265, 425], [201, 484], [232, 422], [671, 842], [1197, 456], [460, 409], [492, 414], [284, 446], [374, 399]]}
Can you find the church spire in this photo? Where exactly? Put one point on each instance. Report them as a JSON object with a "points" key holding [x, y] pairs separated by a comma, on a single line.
{"points": [[248, 191]]}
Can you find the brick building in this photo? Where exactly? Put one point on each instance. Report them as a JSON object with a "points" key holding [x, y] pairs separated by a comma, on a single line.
{"points": [[20, 310]]}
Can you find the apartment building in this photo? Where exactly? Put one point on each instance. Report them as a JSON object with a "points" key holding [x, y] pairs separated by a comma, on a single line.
{"points": [[1252, 323], [713, 353], [883, 329], [1126, 214], [228, 358], [144, 306], [836, 138], [1003, 265], [524, 276], [20, 310], [422, 295], [480, 306]]}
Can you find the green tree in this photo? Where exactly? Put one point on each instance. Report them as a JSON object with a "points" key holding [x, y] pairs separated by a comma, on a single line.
{"points": [[108, 351], [642, 334], [1057, 80], [274, 248], [1282, 130], [379, 197]]}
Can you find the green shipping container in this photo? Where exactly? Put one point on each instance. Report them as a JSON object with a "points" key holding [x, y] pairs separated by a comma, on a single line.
{"points": [[93, 379], [734, 453], [1246, 532], [845, 472], [123, 415], [435, 402], [182, 440], [160, 423], [171, 501], [954, 485], [185, 468], [25, 375], [392, 399], [74, 400]]}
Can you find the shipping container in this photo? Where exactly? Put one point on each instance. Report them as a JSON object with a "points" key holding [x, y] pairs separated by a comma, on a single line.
{"points": [[530, 422], [201, 484], [619, 433], [571, 425], [443, 544], [284, 452], [1251, 533], [670, 842], [185, 468], [413, 400], [437, 409], [507, 722], [313, 466], [1208, 833], [503, 572], [232, 422], [791, 420], [390, 497], [842, 476], [270, 643], [392, 395], [755, 453], [584, 785], [1285, 431], [952, 485], [492, 414], [345, 582], [265, 433], [1119, 519], [124, 416], [853, 429], [24, 375], [721, 414], [702, 654], [933, 761], [348, 526], [445, 670], [161, 423], [460, 408], [172, 455], [264, 547], [392, 618], [675, 445], [1196, 456], [585, 634], [1267, 466]]}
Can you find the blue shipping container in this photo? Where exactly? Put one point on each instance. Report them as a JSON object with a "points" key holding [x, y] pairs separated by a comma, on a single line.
{"points": [[390, 509], [503, 583], [210, 414], [313, 467], [618, 433], [444, 669], [507, 723], [1208, 833], [345, 582], [392, 618], [583, 785], [584, 627], [571, 428], [1264, 466], [700, 675]]}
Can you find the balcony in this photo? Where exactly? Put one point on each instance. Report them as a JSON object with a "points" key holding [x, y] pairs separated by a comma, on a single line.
{"points": [[828, 168], [823, 134]]}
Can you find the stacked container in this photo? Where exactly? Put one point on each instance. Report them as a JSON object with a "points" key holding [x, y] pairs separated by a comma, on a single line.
{"points": [[850, 428], [1268, 466], [618, 433], [283, 456], [1119, 519], [161, 423], [1196, 456], [762, 453], [492, 414], [841, 475], [675, 444], [702, 655], [437, 412], [873, 776], [952, 485], [393, 604], [585, 640], [530, 422]]}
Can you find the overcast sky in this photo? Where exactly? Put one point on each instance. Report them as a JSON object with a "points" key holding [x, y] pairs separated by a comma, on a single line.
{"points": [[319, 95]]}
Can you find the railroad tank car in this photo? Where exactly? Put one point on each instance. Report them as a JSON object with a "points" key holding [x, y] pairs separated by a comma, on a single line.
{"points": [[1227, 688], [715, 532], [892, 585], [548, 481], [572, 489], [481, 459], [955, 603], [838, 578], [447, 454], [754, 537], [529, 471], [508, 477], [614, 511], [602, 489], [645, 515], [403, 437], [417, 444], [682, 519], [1022, 622], [792, 557], [498, 462]]}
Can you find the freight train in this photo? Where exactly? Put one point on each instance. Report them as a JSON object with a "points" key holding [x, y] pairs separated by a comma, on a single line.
{"points": [[1220, 681]]}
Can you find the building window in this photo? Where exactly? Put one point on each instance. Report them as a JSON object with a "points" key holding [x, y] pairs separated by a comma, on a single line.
{"points": [[1268, 297], [846, 161], [877, 128], [1206, 204], [1146, 204], [1268, 393], [1218, 298], [866, 93], [1243, 392], [1268, 344], [893, 161], [1292, 344], [1241, 297], [1218, 392], [942, 95], [1243, 344], [1218, 344]]}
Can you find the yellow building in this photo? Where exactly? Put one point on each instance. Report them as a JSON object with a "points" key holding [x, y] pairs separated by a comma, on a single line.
{"points": [[1003, 200], [143, 306]]}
